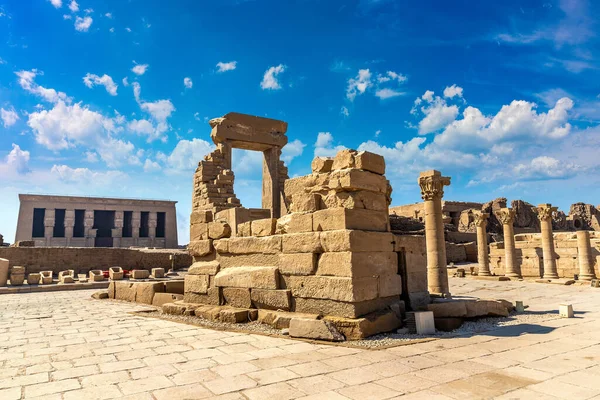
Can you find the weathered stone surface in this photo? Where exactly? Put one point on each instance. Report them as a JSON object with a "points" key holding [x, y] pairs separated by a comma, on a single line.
{"points": [[212, 297], [244, 229], [174, 286], [204, 268], [196, 284], [301, 243], [115, 273], [298, 263], [233, 315], [33, 278], [198, 231], [247, 260], [334, 288], [199, 248], [111, 290], [483, 308], [248, 277], [100, 295], [210, 313], [125, 291], [352, 264], [136, 274], [448, 309], [281, 319], [370, 162], [344, 218], [305, 202], [248, 128], [237, 297], [360, 200], [321, 164], [263, 227], [46, 277], [144, 291], [158, 272], [390, 285], [249, 245], [96, 275], [355, 179], [295, 223], [160, 299], [344, 159], [221, 246], [314, 329], [340, 308], [369, 325], [201, 216], [219, 230], [270, 299], [356, 241], [179, 308]]}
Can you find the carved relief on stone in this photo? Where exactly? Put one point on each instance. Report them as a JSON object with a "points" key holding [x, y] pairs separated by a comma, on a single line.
{"points": [[480, 219], [506, 215], [432, 186], [545, 211]]}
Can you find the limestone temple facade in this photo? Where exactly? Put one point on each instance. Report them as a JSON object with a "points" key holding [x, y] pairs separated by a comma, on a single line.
{"points": [[65, 221]]}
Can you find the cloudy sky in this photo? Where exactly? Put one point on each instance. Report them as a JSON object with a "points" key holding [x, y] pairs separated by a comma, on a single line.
{"points": [[112, 98]]}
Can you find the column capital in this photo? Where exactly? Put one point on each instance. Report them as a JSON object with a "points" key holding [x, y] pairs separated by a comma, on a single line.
{"points": [[480, 218], [545, 211], [506, 216], [432, 184]]}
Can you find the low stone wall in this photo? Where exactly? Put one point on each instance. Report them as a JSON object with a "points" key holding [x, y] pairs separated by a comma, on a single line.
{"points": [[80, 259], [530, 258]]}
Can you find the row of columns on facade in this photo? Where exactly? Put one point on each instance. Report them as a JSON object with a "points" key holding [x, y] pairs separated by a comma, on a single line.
{"points": [[432, 190]]}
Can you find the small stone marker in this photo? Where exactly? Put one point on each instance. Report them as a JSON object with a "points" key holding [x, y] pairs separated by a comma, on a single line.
{"points": [[158, 272], [96, 275], [519, 306], [115, 273], [595, 283], [421, 322], [45, 277], [140, 274], [566, 311]]}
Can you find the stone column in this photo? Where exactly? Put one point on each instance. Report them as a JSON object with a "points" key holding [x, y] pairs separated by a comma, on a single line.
{"points": [[152, 222], [117, 231], [271, 192], [545, 216], [482, 244], [69, 224], [136, 218], [511, 269], [432, 190], [89, 232], [584, 256], [49, 221]]}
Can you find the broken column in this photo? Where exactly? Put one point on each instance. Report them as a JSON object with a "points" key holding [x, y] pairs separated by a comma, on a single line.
{"points": [[482, 245], [584, 256], [507, 216], [432, 190], [545, 216]]}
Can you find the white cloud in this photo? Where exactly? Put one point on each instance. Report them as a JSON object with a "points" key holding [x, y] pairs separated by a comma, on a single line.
{"points": [[226, 66], [9, 117], [115, 152], [187, 154], [391, 76], [89, 10], [197, 116], [108, 15], [142, 126], [85, 175], [91, 79], [345, 112], [128, 29], [387, 93], [73, 6], [91, 156], [18, 160], [139, 69], [83, 24], [26, 80], [437, 113], [545, 167], [324, 145], [67, 17], [452, 91], [187, 82], [359, 84], [137, 90], [160, 111], [151, 166], [112, 30], [292, 150], [270, 81], [56, 3]]}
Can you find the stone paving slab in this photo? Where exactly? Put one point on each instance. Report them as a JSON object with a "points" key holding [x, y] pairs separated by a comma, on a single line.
{"points": [[65, 345]]}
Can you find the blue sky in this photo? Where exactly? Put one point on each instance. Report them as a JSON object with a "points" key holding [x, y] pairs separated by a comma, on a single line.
{"points": [[112, 98]]}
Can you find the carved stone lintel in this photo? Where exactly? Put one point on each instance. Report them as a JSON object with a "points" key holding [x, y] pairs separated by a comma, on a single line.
{"points": [[545, 211], [506, 216], [432, 184]]}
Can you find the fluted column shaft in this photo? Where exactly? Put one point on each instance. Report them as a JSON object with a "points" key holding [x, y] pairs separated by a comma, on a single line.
{"points": [[545, 216], [584, 256], [511, 269]]}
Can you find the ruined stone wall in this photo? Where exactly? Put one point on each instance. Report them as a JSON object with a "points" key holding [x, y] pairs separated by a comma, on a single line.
{"points": [[530, 259], [83, 259]]}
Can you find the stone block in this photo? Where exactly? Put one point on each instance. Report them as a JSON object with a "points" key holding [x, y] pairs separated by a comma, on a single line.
{"points": [[3, 270], [321, 164], [96, 275], [343, 218], [424, 323], [314, 329], [124, 291], [448, 309], [334, 288], [233, 315], [17, 279], [221, 246], [17, 270], [174, 286], [139, 274], [67, 276], [356, 179], [447, 324], [210, 313], [270, 299], [247, 260], [200, 248], [196, 284], [344, 159], [566, 310], [204, 268], [297, 263], [212, 297], [248, 277], [357, 200], [340, 308], [237, 297], [160, 299], [198, 231], [485, 308], [201, 216], [294, 223], [115, 273], [370, 162], [158, 272], [356, 241], [145, 291], [244, 229], [301, 243], [281, 319], [219, 230], [390, 285], [33, 278], [100, 295], [263, 227], [250, 129], [46, 277], [179, 308], [250, 245], [351, 264], [305, 202], [369, 325]]}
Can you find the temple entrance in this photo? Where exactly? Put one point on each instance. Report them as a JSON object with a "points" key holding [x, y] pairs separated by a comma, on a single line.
{"points": [[104, 222]]}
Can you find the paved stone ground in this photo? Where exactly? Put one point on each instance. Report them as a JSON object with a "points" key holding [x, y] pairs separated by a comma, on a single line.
{"points": [[63, 345]]}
